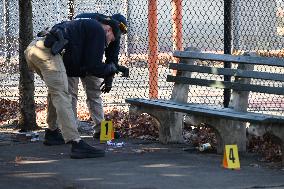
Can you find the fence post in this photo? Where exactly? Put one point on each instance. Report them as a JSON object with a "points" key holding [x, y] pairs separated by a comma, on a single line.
{"points": [[227, 44], [153, 48], [177, 24], [8, 39], [70, 9]]}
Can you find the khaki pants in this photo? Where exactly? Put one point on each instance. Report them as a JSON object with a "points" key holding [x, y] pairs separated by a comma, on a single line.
{"points": [[91, 85], [51, 69]]}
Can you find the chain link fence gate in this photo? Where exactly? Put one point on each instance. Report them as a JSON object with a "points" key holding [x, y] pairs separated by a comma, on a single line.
{"points": [[257, 25]]}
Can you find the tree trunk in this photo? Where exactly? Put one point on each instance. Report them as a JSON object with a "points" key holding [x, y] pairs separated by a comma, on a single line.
{"points": [[27, 120]]}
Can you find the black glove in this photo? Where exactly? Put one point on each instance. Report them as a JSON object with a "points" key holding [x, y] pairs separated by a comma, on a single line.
{"points": [[107, 84], [113, 68], [117, 68], [124, 70]]}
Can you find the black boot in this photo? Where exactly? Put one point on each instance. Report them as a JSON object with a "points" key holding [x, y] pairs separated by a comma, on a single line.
{"points": [[82, 150], [97, 131], [53, 137], [96, 135]]}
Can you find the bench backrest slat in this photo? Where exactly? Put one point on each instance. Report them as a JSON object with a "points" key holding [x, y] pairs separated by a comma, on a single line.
{"points": [[227, 71], [226, 85], [231, 58]]}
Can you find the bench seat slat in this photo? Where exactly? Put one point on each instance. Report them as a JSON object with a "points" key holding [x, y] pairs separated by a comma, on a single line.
{"points": [[205, 110], [227, 71], [230, 58], [226, 85]]}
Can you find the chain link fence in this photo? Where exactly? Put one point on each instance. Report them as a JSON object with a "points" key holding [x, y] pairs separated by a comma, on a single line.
{"points": [[257, 25]]}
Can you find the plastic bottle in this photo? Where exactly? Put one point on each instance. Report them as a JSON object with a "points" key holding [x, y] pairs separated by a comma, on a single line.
{"points": [[204, 147]]}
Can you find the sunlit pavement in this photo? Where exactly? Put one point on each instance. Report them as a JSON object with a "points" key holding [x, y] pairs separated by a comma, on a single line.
{"points": [[136, 165]]}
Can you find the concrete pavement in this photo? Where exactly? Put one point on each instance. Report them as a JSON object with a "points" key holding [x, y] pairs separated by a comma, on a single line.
{"points": [[137, 165]]}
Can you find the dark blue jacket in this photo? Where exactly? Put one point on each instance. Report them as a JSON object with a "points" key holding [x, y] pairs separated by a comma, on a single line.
{"points": [[85, 48], [112, 51]]}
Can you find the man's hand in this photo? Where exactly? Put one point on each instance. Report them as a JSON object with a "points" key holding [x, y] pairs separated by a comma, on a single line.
{"points": [[107, 84], [124, 70], [117, 68]]}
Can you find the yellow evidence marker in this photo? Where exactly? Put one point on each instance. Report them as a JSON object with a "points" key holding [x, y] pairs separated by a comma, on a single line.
{"points": [[107, 131], [231, 157]]}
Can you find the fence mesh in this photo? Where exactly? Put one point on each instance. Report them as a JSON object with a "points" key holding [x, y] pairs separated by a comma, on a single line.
{"points": [[257, 25]]}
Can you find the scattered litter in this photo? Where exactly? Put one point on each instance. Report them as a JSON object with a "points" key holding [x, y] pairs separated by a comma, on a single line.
{"points": [[146, 150], [115, 144], [255, 165], [202, 137], [26, 136], [151, 149], [204, 147], [138, 151], [18, 159]]}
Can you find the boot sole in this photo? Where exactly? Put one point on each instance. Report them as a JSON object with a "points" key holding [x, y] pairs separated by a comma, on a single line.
{"points": [[74, 155]]}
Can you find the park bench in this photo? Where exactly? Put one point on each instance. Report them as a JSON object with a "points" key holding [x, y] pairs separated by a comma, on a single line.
{"points": [[229, 123]]}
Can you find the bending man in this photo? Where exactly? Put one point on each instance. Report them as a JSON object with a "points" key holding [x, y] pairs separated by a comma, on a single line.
{"points": [[91, 84], [83, 43]]}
